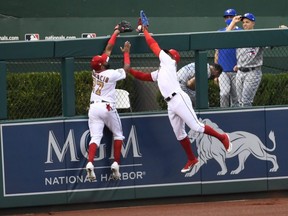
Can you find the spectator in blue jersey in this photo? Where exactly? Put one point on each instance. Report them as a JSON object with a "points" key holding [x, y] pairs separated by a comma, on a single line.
{"points": [[227, 59]]}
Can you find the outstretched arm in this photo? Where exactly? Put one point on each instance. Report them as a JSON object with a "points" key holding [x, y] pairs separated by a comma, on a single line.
{"points": [[153, 45], [111, 42], [141, 75], [126, 53]]}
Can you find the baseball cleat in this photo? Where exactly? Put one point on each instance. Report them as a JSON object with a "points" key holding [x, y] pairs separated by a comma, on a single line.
{"points": [[115, 171], [90, 172], [144, 19], [189, 165], [227, 144]]}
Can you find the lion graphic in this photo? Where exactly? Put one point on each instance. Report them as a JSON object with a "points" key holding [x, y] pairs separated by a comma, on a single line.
{"points": [[244, 144]]}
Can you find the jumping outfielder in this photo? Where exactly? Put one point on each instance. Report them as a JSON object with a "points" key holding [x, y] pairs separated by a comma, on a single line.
{"points": [[180, 110], [102, 104]]}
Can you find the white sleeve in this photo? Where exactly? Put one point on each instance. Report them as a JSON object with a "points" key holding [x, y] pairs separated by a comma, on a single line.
{"points": [[165, 58], [154, 75], [120, 74]]}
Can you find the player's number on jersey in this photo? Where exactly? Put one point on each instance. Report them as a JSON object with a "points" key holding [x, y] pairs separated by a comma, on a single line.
{"points": [[97, 86]]}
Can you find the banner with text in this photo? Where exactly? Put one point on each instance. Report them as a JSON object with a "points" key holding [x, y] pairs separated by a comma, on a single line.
{"points": [[50, 156]]}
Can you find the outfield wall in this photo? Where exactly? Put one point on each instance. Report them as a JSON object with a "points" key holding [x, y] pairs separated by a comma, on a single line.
{"points": [[67, 50], [42, 162]]}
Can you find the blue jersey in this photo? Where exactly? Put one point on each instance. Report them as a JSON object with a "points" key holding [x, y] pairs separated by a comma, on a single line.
{"points": [[227, 57]]}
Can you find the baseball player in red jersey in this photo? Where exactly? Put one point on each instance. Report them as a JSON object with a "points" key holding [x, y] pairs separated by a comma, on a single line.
{"points": [[102, 105], [180, 110]]}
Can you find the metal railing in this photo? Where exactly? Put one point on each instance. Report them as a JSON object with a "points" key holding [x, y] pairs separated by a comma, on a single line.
{"points": [[52, 78]]}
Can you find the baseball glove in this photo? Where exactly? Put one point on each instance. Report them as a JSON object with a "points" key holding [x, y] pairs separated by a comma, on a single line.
{"points": [[124, 26], [144, 19]]}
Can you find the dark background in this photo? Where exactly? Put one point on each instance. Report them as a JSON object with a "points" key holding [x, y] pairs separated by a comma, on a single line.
{"points": [[74, 17]]}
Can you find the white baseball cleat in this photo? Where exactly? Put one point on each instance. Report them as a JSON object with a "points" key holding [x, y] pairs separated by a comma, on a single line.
{"points": [[90, 172], [115, 171], [189, 165]]}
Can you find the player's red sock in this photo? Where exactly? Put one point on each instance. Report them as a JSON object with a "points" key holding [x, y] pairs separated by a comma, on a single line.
{"points": [[117, 150], [187, 147], [210, 131], [92, 152]]}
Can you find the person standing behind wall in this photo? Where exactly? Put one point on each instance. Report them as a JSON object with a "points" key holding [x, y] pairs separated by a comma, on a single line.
{"points": [[227, 59], [249, 62]]}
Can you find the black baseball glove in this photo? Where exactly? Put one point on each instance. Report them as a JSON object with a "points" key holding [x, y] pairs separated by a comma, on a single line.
{"points": [[124, 26]]}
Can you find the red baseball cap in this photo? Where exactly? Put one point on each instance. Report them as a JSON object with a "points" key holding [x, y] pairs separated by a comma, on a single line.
{"points": [[175, 55], [98, 61]]}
